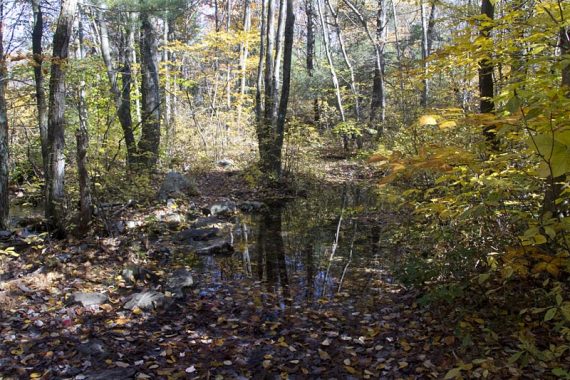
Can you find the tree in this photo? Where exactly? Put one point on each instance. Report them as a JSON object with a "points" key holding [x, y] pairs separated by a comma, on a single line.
{"points": [[148, 146], [121, 96], [37, 35], [4, 153], [271, 127], [55, 191], [486, 84]]}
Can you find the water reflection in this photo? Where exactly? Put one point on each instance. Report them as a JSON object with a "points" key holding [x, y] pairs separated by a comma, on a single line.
{"points": [[310, 248]]}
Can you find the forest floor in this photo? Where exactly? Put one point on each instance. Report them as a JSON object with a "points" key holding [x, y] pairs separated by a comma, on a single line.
{"points": [[229, 327]]}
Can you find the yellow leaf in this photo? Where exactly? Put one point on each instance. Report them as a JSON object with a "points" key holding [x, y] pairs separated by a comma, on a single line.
{"points": [[427, 120], [447, 125], [324, 355]]}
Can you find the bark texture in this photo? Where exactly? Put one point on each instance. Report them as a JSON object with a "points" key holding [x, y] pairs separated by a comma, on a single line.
{"points": [[55, 197], [149, 142], [4, 154], [41, 102]]}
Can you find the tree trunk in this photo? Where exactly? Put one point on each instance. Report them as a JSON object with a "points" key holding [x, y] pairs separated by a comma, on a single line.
{"points": [[486, 85], [82, 139], [55, 199], [279, 51], [284, 101], [334, 78], [243, 49], [37, 34], [149, 142], [4, 153], [347, 62], [310, 13], [259, 81], [378, 101], [121, 96], [425, 82]]}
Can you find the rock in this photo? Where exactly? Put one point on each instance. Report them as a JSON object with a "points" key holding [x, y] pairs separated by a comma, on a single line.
{"points": [[94, 348], [176, 185], [197, 234], [88, 299], [5, 234], [147, 300], [173, 220], [224, 208], [133, 273], [109, 374], [252, 207], [179, 281], [215, 247], [225, 162], [206, 222]]}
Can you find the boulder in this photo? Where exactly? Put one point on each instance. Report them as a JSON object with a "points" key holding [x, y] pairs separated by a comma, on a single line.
{"points": [[225, 208], [215, 247], [225, 162], [252, 207], [147, 300], [178, 281], [87, 299], [176, 185], [197, 234]]}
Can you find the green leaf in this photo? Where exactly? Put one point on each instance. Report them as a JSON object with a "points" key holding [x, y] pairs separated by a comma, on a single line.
{"points": [[453, 373], [513, 105], [550, 314]]}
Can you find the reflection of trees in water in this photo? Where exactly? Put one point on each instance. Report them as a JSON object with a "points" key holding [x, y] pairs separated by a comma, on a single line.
{"points": [[271, 265]]}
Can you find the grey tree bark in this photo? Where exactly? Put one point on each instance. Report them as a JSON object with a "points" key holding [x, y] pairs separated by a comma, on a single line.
{"points": [[148, 146], [82, 139], [243, 53], [37, 51], [486, 68], [310, 59], [378, 100], [332, 70], [121, 96], [55, 197], [4, 153]]}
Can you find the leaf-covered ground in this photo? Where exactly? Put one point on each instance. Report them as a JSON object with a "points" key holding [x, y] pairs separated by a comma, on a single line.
{"points": [[237, 327]]}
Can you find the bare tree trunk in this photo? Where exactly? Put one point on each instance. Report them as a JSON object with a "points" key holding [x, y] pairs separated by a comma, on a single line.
{"points": [[378, 101], [121, 96], [149, 142], [228, 68], [270, 64], [352, 83], [260, 65], [425, 82], [279, 50], [132, 61], [82, 139], [55, 207], [326, 43], [486, 85], [310, 12], [243, 49], [4, 152], [41, 106], [399, 58], [284, 101]]}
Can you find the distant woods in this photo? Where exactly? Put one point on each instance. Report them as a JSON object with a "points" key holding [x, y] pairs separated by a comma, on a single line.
{"points": [[93, 91]]}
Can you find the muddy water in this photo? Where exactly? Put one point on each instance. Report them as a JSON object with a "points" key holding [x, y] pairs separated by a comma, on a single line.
{"points": [[309, 249]]}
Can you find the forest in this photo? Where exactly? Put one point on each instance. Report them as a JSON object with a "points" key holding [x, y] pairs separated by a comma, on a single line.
{"points": [[284, 189]]}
